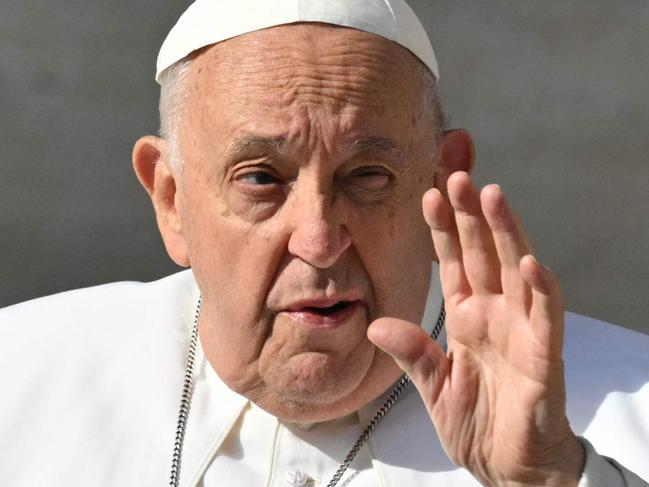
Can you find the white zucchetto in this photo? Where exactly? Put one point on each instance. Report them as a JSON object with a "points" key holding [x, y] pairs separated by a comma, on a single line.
{"points": [[207, 22]]}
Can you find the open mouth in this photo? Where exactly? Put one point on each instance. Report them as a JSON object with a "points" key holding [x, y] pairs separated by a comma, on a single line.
{"points": [[329, 310], [329, 316]]}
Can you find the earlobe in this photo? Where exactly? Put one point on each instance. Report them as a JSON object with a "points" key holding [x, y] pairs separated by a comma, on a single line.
{"points": [[153, 173]]}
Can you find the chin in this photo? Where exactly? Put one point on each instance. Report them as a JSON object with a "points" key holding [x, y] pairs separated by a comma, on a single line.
{"points": [[319, 378], [315, 386]]}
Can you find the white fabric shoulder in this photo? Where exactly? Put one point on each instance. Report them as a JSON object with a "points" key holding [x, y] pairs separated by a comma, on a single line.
{"points": [[92, 379], [607, 382], [601, 471]]}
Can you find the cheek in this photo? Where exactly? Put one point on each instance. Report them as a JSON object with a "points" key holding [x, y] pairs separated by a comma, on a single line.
{"points": [[226, 248], [234, 263], [396, 250], [234, 273]]}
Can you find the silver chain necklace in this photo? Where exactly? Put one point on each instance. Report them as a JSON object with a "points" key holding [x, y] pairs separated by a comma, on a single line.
{"points": [[186, 398]]}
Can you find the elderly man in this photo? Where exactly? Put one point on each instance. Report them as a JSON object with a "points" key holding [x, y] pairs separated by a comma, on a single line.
{"points": [[299, 140]]}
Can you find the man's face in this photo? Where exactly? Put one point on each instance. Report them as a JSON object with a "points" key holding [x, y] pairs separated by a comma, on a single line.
{"points": [[306, 154]]}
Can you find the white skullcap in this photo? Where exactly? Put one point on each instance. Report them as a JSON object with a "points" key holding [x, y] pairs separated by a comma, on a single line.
{"points": [[207, 22]]}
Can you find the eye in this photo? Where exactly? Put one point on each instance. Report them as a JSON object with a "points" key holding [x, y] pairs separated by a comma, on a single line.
{"points": [[258, 178], [371, 178], [367, 184], [259, 183]]}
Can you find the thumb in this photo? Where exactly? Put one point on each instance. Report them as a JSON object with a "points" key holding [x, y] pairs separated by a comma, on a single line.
{"points": [[415, 352]]}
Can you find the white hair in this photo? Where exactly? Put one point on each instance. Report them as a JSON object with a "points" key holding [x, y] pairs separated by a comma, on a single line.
{"points": [[173, 92]]}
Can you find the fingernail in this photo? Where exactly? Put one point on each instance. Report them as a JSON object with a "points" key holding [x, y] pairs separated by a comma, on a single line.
{"points": [[534, 259], [544, 268]]}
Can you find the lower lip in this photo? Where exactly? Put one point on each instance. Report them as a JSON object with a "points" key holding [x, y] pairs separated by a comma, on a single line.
{"points": [[325, 321]]}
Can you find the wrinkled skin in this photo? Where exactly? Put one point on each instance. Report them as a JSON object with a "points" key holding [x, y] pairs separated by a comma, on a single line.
{"points": [[306, 156]]}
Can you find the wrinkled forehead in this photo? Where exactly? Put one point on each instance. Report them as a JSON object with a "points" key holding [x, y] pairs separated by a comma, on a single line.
{"points": [[306, 62]]}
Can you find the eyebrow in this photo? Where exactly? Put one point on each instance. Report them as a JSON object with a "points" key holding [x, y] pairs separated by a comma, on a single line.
{"points": [[381, 145], [255, 143], [252, 144]]}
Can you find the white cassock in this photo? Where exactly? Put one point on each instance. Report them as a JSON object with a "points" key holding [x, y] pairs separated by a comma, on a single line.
{"points": [[91, 383]]}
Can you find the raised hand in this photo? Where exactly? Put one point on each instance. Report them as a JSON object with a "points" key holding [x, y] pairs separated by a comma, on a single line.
{"points": [[497, 397]]}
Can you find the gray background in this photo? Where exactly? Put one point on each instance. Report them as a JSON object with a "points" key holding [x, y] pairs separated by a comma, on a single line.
{"points": [[555, 93]]}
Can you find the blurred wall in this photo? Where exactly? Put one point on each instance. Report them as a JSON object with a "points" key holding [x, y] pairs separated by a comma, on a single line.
{"points": [[555, 93]]}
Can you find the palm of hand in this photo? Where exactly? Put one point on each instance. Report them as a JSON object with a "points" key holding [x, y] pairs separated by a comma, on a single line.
{"points": [[497, 397], [498, 383]]}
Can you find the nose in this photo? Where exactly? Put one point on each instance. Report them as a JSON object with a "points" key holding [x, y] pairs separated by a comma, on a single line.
{"points": [[318, 234]]}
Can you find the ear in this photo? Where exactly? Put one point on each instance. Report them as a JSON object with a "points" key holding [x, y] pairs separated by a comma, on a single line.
{"points": [[152, 169], [457, 154]]}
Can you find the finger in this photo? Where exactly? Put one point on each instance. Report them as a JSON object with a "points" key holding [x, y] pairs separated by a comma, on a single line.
{"points": [[481, 264], [510, 241], [439, 216], [415, 352], [546, 311]]}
